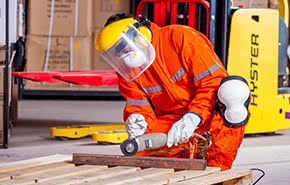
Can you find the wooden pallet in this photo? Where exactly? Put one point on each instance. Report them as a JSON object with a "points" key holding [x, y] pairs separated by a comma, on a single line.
{"points": [[59, 169]]}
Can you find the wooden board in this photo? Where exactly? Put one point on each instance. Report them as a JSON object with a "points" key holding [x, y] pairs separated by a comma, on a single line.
{"points": [[64, 172], [145, 162], [39, 160], [240, 177]]}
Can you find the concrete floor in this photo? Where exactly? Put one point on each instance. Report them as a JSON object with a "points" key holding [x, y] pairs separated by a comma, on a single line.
{"points": [[31, 137]]}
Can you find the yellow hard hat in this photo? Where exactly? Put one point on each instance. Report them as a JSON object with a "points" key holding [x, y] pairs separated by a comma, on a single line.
{"points": [[111, 33]]}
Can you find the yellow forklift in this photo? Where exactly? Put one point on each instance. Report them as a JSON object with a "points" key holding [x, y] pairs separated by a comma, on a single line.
{"points": [[251, 42], [257, 50]]}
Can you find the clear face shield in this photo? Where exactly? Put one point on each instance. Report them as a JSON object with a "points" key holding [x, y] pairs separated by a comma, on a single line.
{"points": [[131, 55]]}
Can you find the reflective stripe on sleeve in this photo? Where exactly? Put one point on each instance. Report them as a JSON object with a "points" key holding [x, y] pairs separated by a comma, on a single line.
{"points": [[178, 74], [137, 102], [207, 72], [153, 89]]}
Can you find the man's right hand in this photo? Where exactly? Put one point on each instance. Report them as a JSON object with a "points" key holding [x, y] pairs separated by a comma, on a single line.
{"points": [[136, 125]]}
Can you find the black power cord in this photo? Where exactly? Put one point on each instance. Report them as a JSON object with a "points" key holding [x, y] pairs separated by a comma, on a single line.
{"points": [[263, 174]]}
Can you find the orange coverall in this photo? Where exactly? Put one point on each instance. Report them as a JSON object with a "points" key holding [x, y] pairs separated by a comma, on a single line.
{"points": [[184, 77]]}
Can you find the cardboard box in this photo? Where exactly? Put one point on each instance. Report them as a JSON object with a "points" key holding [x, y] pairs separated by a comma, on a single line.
{"points": [[251, 3], [2, 84], [274, 4], [64, 54], [2, 55], [98, 63], [237, 3], [260, 4], [63, 17], [103, 9]]}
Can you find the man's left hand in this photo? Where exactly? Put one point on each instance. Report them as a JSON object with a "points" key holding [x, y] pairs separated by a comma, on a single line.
{"points": [[183, 129]]}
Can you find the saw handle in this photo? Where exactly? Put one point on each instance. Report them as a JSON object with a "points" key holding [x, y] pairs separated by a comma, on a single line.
{"points": [[151, 141]]}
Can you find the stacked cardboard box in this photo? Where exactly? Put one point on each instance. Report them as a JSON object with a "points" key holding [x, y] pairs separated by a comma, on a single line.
{"points": [[251, 3], [259, 4], [103, 9], [60, 17], [64, 54], [61, 36], [274, 4], [256, 3]]}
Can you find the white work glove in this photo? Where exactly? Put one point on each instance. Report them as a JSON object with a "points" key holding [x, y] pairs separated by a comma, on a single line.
{"points": [[136, 125], [183, 129]]}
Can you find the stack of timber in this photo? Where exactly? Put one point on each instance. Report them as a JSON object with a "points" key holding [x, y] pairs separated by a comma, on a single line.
{"points": [[107, 169]]}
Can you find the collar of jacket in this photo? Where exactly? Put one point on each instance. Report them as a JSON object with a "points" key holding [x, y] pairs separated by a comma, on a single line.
{"points": [[155, 33]]}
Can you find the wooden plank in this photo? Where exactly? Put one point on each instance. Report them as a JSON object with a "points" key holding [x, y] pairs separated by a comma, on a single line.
{"points": [[19, 167], [148, 162], [246, 180], [55, 175], [87, 177], [217, 177], [33, 162], [131, 178], [177, 176], [35, 170]]}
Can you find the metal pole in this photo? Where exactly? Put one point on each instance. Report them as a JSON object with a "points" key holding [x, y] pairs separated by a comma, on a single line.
{"points": [[6, 76], [212, 22]]}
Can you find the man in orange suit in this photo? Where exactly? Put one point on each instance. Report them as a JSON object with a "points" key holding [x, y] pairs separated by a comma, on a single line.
{"points": [[172, 81]]}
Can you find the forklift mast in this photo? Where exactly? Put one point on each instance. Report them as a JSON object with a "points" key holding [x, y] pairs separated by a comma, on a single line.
{"points": [[207, 16]]}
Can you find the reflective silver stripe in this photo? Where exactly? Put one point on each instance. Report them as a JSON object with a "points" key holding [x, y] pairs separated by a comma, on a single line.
{"points": [[153, 89], [207, 72], [178, 74], [137, 102]]}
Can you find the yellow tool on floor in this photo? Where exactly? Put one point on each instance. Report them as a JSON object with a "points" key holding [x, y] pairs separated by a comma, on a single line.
{"points": [[79, 131], [108, 137]]}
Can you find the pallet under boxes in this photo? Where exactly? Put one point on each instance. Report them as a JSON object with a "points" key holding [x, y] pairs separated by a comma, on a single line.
{"points": [[59, 169]]}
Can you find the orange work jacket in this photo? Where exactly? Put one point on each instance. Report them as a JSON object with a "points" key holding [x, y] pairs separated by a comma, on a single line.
{"points": [[184, 77]]}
